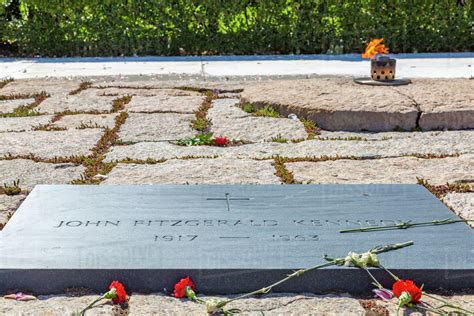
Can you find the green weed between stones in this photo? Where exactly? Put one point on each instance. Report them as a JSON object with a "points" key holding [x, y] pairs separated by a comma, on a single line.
{"points": [[119, 103], [94, 164], [285, 175], [4, 82], [25, 110], [48, 128], [267, 111], [311, 129], [201, 123], [13, 189], [279, 139], [441, 190], [83, 86]]}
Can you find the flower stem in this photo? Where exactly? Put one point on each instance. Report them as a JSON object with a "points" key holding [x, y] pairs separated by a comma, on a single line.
{"points": [[405, 225], [267, 289], [82, 313], [447, 304]]}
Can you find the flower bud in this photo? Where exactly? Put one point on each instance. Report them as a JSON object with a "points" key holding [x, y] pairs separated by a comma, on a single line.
{"points": [[212, 307], [404, 299]]}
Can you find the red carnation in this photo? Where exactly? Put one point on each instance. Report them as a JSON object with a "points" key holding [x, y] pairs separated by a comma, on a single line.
{"points": [[414, 293], [221, 141], [180, 287], [121, 295]]}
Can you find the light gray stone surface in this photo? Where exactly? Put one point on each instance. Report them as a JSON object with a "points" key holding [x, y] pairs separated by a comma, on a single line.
{"points": [[420, 143], [165, 103], [445, 104], [49, 144], [8, 106], [139, 91], [271, 304], [20, 124], [466, 301], [156, 126], [33, 86], [54, 306], [195, 171], [229, 120], [388, 170], [8, 205], [90, 120], [337, 103], [31, 173], [462, 204], [85, 101], [156, 83]]}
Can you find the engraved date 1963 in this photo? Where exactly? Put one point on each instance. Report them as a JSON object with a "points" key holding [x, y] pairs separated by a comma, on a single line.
{"points": [[296, 237]]}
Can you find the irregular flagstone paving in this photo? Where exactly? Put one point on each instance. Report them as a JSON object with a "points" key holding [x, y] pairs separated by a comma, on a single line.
{"points": [[156, 126], [229, 120], [54, 305], [388, 170], [448, 143], [8, 205], [49, 144], [31, 173], [86, 120], [195, 171], [462, 204], [8, 106], [272, 304], [136, 150], [21, 124]]}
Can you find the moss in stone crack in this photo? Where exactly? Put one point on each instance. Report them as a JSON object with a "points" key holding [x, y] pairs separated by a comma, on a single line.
{"points": [[311, 129], [248, 107], [25, 110], [441, 190], [279, 139], [83, 86], [48, 127], [119, 103], [201, 123], [267, 111], [282, 172], [13, 189], [4, 82]]}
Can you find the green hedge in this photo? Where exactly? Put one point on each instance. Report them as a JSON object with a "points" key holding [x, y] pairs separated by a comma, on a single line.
{"points": [[173, 27]]}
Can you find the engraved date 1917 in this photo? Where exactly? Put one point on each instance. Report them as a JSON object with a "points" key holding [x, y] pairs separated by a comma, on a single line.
{"points": [[296, 237], [175, 237]]}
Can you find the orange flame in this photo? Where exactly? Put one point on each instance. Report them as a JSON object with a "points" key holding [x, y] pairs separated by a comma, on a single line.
{"points": [[374, 48]]}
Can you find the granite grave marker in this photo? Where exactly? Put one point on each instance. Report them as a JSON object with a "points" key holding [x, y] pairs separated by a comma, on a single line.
{"points": [[228, 238]]}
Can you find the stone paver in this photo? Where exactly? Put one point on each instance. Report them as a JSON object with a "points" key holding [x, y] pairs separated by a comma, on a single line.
{"points": [[156, 126], [155, 83], [87, 120], [271, 304], [419, 143], [388, 170], [21, 124], [31, 173], [195, 171], [229, 120], [137, 91], [466, 301], [49, 144], [8, 206], [337, 103], [33, 86], [8, 106], [85, 101], [54, 306], [165, 103], [447, 104], [462, 204]]}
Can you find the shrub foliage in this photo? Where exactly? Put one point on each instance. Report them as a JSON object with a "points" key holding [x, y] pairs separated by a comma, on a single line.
{"points": [[173, 27]]}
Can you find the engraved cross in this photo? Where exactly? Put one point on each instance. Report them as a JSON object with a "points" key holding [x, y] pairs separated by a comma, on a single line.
{"points": [[227, 198]]}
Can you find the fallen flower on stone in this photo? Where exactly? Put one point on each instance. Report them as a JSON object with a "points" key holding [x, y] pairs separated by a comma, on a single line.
{"points": [[383, 293], [407, 292], [20, 297], [116, 293], [221, 141], [186, 288]]}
